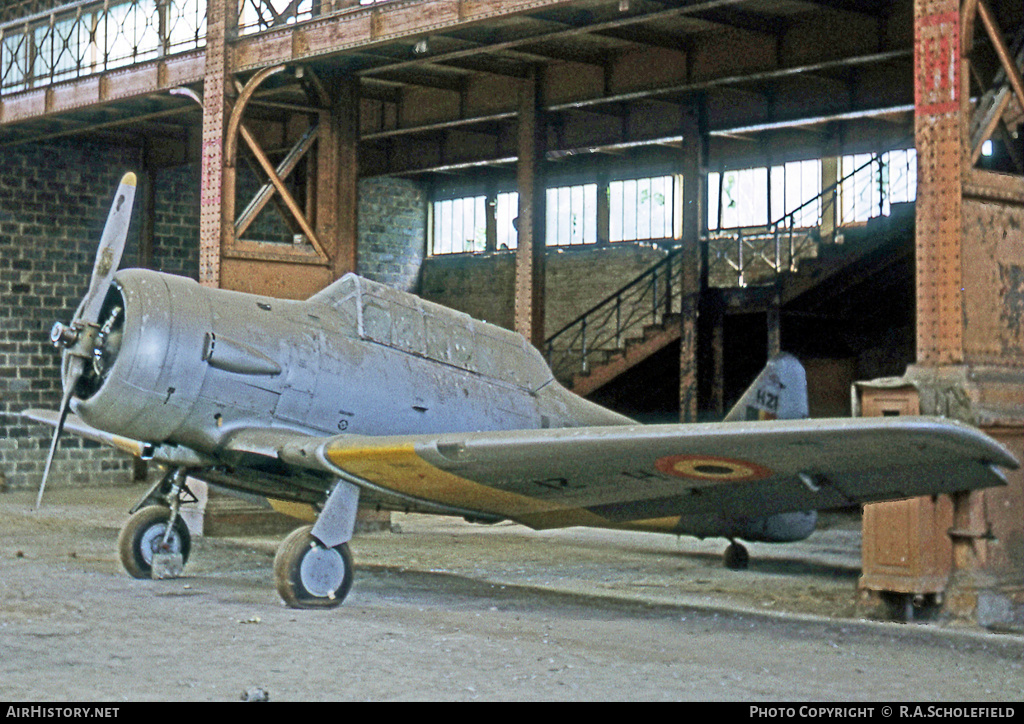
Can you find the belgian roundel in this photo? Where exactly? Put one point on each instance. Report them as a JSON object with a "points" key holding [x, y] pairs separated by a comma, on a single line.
{"points": [[707, 467]]}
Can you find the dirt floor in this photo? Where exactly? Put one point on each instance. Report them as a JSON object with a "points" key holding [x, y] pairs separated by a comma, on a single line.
{"points": [[445, 610]]}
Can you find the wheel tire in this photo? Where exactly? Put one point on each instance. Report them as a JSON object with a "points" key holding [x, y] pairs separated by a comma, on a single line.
{"points": [[736, 557], [308, 575], [141, 535]]}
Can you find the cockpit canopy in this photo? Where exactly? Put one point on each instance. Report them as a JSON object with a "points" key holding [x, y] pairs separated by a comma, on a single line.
{"points": [[405, 322]]}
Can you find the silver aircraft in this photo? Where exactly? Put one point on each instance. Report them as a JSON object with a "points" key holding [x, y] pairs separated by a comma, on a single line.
{"points": [[364, 395]]}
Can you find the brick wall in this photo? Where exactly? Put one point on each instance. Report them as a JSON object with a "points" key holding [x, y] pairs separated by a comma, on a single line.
{"points": [[483, 285], [176, 222], [392, 231], [54, 201], [53, 204]]}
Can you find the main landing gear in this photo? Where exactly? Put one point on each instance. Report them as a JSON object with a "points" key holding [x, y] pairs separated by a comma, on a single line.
{"points": [[308, 574], [313, 566], [736, 557], [155, 528]]}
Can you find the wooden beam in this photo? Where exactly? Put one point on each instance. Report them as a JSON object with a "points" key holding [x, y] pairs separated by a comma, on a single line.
{"points": [[1005, 59], [357, 29], [73, 128], [282, 190], [345, 195], [285, 167]]}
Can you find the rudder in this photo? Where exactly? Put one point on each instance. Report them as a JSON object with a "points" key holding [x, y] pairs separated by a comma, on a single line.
{"points": [[778, 393]]}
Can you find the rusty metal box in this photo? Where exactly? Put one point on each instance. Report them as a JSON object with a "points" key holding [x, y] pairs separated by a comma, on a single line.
{"points": [[905, 546]]}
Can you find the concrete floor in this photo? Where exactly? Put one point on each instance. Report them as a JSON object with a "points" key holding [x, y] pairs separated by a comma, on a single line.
{"points": [[445, 610]]}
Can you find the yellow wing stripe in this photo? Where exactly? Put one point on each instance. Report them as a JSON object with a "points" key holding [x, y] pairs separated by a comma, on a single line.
{"points": [[399, 468], [132, 447], [302, 511], [651, 525]]}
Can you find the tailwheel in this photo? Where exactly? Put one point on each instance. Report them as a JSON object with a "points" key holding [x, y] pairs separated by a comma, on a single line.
{"points": [[736, 557], [310, 575], [145, 534]]}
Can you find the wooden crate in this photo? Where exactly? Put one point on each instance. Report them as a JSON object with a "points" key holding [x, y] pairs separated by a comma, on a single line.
{"points": [[905, 546]]}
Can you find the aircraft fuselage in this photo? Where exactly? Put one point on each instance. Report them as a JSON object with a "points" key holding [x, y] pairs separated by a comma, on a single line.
{"points": [[194, 364]]}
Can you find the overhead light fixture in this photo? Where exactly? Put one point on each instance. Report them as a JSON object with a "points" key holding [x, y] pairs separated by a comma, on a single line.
{"points": [[986, 148], [421, 47]]}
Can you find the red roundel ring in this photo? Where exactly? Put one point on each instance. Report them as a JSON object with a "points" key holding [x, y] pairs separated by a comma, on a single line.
{"points": [[707, 467]]}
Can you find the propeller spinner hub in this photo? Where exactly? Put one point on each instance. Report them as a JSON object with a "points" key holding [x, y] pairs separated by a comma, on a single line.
{"points": [[63, 335]]}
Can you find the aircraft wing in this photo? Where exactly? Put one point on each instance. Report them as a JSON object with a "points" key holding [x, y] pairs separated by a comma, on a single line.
{"points": [[603, 476], [611, 476], [171, 455], [75, 425]]}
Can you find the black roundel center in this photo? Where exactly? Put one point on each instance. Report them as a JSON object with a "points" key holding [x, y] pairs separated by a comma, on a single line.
{"points": [[708, 469]]}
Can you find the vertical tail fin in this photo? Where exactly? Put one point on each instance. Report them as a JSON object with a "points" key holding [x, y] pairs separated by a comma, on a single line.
{"points": [[778, 393]]}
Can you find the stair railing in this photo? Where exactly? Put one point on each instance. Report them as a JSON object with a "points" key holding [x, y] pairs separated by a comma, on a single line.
{"points": [[602, 330], [746, 256]]}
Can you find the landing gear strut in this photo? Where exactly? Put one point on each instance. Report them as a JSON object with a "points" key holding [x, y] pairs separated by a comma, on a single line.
{"points": [[155, 527]]}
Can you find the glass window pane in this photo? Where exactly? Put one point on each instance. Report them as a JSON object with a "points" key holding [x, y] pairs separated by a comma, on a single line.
{"points": [[615, 202], [446, 228], [714, 179], [629, 200], [507, 211], [577, 215], [590, 213]]}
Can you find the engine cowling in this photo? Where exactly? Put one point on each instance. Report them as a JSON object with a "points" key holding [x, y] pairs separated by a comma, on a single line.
{"points": [[148, 369]]}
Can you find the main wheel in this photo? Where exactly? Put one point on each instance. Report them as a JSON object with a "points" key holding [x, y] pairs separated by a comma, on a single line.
{"points": [[736, 557], [143, 535], [309, 575]]}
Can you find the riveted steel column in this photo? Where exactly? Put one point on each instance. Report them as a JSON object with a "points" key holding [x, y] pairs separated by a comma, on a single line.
{"points": [[221, 18], [968, 354], [529, 293], [345, 199], [692, 163], [938, 131]]}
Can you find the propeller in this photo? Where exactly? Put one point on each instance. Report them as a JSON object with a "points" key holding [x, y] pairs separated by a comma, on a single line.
{"points": [[80, 339]]}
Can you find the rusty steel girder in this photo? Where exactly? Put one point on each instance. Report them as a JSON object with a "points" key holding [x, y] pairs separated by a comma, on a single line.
{"points": [[938, 129], [211, 207]]}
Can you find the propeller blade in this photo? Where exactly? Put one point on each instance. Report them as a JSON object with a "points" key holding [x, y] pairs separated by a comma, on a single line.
{"points": [[77, 366], [108, 256]]}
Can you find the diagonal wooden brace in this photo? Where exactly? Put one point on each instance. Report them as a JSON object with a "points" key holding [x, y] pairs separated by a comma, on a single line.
{"points": [[287, 165], [279, 186]]}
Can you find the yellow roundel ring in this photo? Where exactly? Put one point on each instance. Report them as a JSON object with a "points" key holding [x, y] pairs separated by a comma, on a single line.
{"points": [[706, 467]]}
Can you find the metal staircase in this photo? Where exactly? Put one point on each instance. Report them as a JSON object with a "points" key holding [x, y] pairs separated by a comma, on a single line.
{"points": [[643, 316], [624, 329]]}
